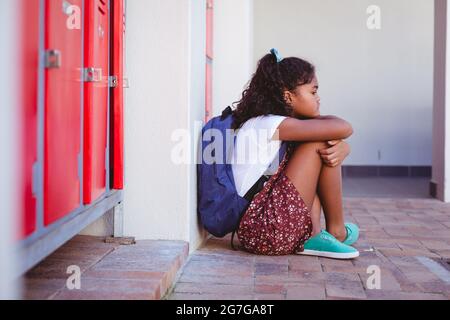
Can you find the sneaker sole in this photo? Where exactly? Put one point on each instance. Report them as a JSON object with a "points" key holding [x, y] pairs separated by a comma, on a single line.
{"points": [[326, 254]]}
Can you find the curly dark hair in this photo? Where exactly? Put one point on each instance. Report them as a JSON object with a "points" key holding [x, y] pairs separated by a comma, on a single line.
{"points": [[264, 94]]}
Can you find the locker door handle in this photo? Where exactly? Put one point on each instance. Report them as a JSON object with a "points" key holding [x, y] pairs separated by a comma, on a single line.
{"points": [[114, 82], [92, 75], [52, 59]]}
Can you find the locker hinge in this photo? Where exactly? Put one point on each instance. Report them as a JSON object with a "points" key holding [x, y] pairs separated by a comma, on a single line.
{"points": [[125, 16], [35, 178], [106, 158], [52, 59], [80, 165], [106, 163], [92, 74], [113, 82]]}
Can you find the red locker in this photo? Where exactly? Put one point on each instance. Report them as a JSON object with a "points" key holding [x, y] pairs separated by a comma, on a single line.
{"points": [[116, 136], [95, 98], [29, 74], [208, 104], [209, 58], [62, 123], [209, 28]]}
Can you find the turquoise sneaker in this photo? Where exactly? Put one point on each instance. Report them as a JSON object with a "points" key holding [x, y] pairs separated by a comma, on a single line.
{"points": [[352, 234], [326, 245]]}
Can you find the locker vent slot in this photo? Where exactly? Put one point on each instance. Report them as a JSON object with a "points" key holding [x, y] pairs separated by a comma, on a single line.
{"points": [[102, 7]]}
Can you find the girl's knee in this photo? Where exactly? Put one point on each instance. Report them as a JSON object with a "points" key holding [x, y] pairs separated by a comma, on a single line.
{"points": [[311, 146], [306, 156]]}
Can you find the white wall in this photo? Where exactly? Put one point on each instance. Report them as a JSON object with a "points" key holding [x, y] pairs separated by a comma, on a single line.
{"points": [[439, 100], [447, 110], [196, 111], [102, 227], [9, 189], [163, 60], [233, 51], [379, 80]]}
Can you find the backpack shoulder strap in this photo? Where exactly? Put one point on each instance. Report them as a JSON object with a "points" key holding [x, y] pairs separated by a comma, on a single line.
{"points": [[226, 112]]}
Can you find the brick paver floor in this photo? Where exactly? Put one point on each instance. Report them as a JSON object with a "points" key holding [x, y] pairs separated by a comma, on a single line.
{"points": [[143, 271], [402, 237]]}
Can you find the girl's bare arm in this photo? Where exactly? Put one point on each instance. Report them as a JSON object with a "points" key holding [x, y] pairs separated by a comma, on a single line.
{"points": [[322, 128]]}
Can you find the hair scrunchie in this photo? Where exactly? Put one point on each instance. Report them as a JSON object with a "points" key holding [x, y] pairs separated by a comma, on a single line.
{"points": [[276, 54]]}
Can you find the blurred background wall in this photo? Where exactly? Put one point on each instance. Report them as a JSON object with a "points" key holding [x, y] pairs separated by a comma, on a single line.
{"points": [[380, 80]]}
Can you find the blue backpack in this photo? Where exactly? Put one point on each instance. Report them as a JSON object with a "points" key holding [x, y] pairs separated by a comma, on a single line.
{"points": [[220, 207]]}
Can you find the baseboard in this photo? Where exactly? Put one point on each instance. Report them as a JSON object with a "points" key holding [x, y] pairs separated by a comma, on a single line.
{"points": [[433, 189], [386, 171]]}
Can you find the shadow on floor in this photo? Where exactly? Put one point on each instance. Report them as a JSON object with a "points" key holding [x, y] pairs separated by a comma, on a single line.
{"points": [[383, 187]]}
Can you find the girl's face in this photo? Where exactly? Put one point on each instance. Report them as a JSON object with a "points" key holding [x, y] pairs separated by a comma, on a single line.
{"points": [[305, 100]]}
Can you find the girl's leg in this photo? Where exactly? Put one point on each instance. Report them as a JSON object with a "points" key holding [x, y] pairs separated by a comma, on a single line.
{"points": [[305, 171], [316, 212], [330, 193]]}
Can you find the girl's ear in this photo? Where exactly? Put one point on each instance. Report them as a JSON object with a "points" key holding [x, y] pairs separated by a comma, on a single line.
{"points": [[287, 97]]}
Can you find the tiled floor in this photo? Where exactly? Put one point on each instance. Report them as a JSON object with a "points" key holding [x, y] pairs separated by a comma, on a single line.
{"points": [[144, 271], [401, 237]]}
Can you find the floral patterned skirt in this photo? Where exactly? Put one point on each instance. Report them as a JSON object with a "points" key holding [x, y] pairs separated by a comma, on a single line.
{"points": [[277, 221]]}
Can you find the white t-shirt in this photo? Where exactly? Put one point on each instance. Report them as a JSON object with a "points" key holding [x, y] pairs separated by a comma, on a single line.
{"points": [[255, 150]]}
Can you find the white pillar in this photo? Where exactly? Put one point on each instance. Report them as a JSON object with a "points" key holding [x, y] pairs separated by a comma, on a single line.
{"points": [[165, 62], [447, 107], [196, 112], [233, 62], [441, 109], [9, 139]]}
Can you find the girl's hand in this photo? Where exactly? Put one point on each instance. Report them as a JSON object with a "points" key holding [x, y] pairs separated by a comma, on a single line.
{"points": [[335, 155]]}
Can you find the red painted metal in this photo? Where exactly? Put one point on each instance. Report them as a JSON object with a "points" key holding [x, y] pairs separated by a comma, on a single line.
{"points": [[62, 113], [29, 44], [208, 104], [209, 58], [116, 136], [209, 28], [95, 99]]}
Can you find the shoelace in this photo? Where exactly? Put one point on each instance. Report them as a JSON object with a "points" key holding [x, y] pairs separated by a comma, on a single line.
{"points": [[349, 232]]}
